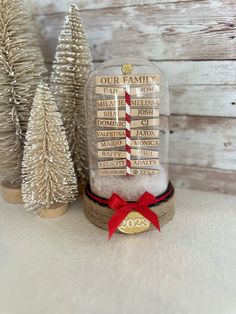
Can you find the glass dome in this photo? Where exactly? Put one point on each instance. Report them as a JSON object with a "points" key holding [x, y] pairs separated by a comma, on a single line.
{"points": [[127, 111]]}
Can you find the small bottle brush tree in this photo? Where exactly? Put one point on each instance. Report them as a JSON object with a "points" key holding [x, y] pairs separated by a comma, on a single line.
{"points": [[47, 168], [71, 67], [21, 66]]}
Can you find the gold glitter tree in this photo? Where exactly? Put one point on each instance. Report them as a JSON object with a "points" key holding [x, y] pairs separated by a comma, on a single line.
{"points": [[48, 175], [21, 66], [71, 67]]}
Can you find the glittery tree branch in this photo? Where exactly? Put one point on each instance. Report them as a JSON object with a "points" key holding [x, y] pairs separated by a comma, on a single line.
{"points": [[71, 67], [21, 66], [47, 168]]}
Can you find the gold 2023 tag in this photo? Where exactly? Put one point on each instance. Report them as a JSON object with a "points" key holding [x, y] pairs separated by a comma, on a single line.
{"points": [[134, 223]]}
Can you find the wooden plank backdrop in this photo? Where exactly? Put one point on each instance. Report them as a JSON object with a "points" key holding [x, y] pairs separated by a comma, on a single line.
{"points": [[194, 42]]}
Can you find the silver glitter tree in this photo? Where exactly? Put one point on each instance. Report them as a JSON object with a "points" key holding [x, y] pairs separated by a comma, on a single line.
{"points": [[48, 175], [21, 66], [71, 67]]}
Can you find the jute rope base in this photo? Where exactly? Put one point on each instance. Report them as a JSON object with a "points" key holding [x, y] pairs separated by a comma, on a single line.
{"points": [[11, 192], [55, 210], [99, 215]]}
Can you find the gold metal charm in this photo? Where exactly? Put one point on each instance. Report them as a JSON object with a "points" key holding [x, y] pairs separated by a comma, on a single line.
{"points": [[134, 223], [127, 68]]}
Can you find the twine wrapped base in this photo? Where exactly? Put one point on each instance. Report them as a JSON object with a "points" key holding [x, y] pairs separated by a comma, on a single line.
{"points": [[99, 215], [54, 211], [11, 192]]}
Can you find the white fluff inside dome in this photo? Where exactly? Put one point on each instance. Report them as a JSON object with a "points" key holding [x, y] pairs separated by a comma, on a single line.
{"points": [[130, 188]]}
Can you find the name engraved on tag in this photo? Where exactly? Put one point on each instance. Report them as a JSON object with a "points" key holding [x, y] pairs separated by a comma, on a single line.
{"points": [[110, 123], [144, 123], [111, 163], [144, 153], [110, 134], [111, 154], [139, 143], [144, 172], [112, 172], [145, 133], [111, 143], [145, 163]]}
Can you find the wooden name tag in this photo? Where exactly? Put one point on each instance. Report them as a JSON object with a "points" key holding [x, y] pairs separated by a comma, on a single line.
{"points": [[135, 91], [134, 133], [134, 163], [144, 153], [127, 79], [122, 143], [107, 123], [134, 152], [121, 113], [127, 126], [111, 154], [122, 172], [119, 103], [144, 123]]}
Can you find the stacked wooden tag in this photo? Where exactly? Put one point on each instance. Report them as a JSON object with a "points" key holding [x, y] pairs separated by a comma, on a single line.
{"points": [[129, 123]]}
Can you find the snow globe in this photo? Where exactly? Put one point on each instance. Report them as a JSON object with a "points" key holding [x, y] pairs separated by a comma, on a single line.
{"points": [[127, 113]]}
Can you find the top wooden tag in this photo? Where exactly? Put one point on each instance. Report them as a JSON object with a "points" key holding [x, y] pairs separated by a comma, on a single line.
{"points": [[128, 79]]}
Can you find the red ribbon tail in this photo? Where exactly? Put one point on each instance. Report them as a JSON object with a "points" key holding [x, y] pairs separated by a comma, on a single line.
{"points": [[115, 221], [151, 216]]}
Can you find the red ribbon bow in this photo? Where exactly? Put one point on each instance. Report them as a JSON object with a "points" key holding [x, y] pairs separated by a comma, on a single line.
{"points": [[122, 208]]}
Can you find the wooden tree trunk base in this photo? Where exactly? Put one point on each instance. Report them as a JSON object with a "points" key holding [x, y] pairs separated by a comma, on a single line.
{"points": [[11, 192], [54, 211], [80, 189]]}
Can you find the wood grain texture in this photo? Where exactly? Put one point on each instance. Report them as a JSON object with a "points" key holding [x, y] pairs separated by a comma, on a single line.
{"points": [[203, 141], [169, 31], [200, 178], [54, 211], [203, 88], [182, 73], [199, 72], [11, 193], [194, 43], [51, 6], [204, 100]]}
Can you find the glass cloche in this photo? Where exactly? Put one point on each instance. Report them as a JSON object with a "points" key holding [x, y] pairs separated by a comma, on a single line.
{"points": [[127, 112]]}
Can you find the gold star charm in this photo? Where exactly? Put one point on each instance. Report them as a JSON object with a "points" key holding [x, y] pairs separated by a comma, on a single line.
{"points": [[127, 68]]}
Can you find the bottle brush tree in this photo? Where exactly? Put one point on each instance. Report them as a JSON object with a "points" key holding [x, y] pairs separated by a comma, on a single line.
{"points": [[71, 68], [21, 66], [48, 172]]}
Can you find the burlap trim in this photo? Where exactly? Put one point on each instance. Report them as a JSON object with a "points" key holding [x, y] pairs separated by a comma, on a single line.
{"points": [[99, 215]]}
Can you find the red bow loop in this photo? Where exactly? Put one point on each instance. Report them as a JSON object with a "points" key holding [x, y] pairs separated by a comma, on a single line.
{"points": [[146, 199], [115, 201]]}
